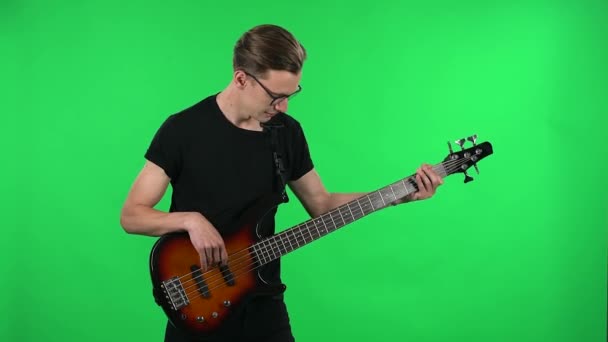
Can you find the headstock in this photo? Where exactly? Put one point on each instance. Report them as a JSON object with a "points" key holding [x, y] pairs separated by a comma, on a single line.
{"points": [[462, 160]]}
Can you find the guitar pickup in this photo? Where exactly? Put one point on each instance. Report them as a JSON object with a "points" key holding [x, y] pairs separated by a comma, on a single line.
{"points": [[197, 276], [227, 274]]}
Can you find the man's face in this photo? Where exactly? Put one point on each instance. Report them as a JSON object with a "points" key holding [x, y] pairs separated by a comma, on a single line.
{"points": [[270, 93]]}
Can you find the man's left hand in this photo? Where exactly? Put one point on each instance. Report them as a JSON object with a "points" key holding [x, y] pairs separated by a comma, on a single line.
{"points": [[428, 181]]}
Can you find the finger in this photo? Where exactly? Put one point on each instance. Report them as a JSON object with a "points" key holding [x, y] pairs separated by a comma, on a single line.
{"points": [[426, 181], [436, 180], [223, 252], [419, 180], [203, 260], [428, 178], [421, 186], [216, 255], [209, 254], [224, 256], [212, 258], [433, 178]]}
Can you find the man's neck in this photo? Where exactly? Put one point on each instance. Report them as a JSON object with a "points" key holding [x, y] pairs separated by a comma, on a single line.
{"points": [[229, 104]]}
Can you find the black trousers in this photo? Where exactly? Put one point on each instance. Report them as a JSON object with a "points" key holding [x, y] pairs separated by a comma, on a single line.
{"points": [[264, 319]]}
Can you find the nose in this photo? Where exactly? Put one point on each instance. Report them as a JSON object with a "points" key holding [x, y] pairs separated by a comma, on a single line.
{"points": [[281, 105]]}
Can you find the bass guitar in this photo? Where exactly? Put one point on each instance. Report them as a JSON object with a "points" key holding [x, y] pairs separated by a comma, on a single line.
{"points": [[201, 303]]}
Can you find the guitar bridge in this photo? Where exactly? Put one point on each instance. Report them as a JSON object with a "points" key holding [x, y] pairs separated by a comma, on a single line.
{"points": [[174, 292]]}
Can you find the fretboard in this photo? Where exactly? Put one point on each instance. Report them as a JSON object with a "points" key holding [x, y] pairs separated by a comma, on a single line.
{"points": [[275, 246]]}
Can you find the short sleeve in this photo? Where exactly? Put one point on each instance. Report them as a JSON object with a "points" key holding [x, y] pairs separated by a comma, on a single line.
{"points": [[164, 150], [301, 162]]}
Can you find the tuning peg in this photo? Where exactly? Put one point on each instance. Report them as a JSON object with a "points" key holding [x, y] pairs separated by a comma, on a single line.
{"points": [[450, 147], [473, 139], [467, 178], [460, 143]]}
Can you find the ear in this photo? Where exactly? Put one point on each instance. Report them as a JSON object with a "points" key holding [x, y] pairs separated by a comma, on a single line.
{"points": [[239, 79]]}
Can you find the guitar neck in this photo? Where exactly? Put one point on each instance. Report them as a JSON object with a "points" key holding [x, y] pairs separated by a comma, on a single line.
{"points": [[276, 246]]}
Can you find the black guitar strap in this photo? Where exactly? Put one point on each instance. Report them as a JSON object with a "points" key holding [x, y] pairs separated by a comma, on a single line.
{"points": [[274, 129]]}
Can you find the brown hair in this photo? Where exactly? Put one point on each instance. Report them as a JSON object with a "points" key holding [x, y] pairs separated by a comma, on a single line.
{"points": [[268, 47]]}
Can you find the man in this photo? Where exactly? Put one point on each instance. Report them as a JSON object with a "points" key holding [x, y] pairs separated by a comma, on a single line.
{"points": [[218, 159]]}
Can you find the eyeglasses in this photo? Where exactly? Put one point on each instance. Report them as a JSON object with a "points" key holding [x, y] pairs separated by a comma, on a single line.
{"points": [[275, 98]]}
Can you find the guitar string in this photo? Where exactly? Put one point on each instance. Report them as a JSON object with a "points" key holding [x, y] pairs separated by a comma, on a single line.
{"points": [[245, 257], [269, 250], [310, 222], [367, 208], [244, 270], [220, 277], [271, 254], [244, 261]]}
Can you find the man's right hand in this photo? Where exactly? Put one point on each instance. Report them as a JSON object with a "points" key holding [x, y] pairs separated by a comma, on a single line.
{"points": [[207, 241]]}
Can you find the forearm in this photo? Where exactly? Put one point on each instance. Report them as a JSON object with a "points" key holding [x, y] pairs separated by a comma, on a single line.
{"points": [[143, 220], [334, 200]]}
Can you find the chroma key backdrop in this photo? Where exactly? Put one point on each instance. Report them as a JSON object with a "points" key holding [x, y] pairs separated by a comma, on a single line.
{"points": [[517, 254]]}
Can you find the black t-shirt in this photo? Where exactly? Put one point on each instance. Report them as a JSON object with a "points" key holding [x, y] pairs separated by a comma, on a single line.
{"points": [[220, 170]]}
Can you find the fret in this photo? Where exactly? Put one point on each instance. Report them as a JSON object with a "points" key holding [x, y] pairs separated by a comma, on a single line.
{"points": [[381, 197], [277, 240], [309, 233], [304, 233], [351, 212], [362, 212], [264, 251], [268, 247], [370, 202], [332, 220], [278, 247], [391, 187], [404, 188], [324, 224], [339, 216], [297, 234], [283, 244], [409, 186], [317, 228], [302, 229], [342, 217], [272, 250], [257, 255], [288, 238]]}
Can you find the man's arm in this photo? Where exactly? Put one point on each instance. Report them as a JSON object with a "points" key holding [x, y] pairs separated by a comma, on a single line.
{"points": [[138, 216], [317, 200]]}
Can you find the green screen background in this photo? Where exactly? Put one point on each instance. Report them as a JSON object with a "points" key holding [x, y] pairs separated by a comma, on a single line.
{"points": [[519, 254]]}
